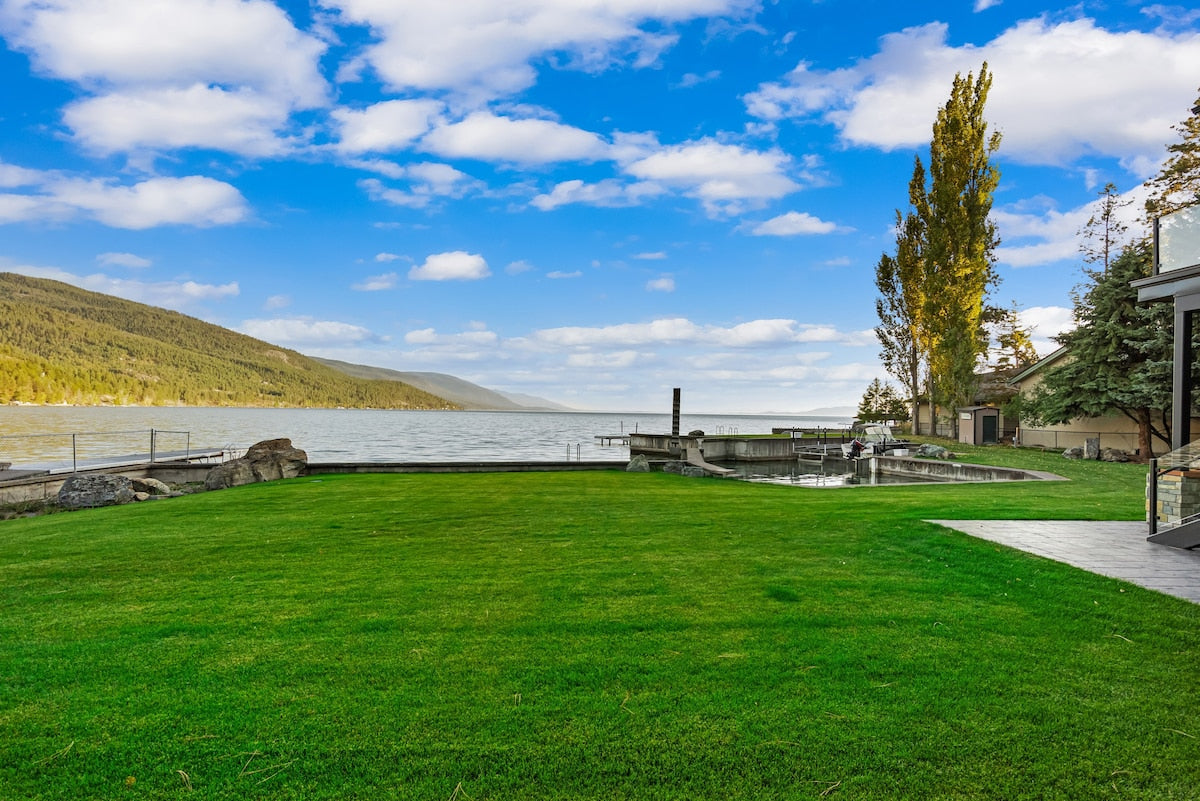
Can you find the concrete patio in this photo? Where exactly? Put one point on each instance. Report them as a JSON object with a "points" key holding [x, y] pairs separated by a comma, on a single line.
{"points": [[1117, 549]]}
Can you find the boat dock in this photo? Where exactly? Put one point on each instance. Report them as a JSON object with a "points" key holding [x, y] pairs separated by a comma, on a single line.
{"points": [[608, 440]]}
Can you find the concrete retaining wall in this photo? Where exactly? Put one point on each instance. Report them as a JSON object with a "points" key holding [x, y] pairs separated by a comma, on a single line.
{"points": [[46, 486], [460, 467], [953, 471]]}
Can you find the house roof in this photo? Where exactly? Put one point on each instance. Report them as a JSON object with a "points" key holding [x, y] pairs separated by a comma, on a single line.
{"points": [[1041, 364]]}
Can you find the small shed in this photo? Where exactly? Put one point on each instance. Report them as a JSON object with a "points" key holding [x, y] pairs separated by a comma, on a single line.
{"points": [[978, 425]]}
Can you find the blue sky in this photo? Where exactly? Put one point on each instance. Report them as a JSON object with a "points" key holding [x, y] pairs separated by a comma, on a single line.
{"points": [[592, 201]]}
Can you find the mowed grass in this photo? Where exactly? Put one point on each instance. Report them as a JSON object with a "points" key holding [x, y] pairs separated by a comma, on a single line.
{"points": [[588, 635]]}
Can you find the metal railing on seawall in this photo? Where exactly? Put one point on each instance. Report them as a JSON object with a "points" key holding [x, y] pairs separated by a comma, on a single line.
{"points": [[58, 452]]}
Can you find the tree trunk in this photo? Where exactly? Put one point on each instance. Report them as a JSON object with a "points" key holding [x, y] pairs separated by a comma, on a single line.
{"points": [[1145, 438], [914, 387]]}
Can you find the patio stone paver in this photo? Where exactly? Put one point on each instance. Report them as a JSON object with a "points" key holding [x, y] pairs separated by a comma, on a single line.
{"points": [[1117, 549]]}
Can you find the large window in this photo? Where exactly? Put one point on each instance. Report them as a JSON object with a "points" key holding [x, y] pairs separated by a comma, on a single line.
{"points": [[1178, 240]]}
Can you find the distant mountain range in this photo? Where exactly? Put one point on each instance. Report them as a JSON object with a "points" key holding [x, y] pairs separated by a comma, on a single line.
{"points": [[456, 390], [63, 344]]}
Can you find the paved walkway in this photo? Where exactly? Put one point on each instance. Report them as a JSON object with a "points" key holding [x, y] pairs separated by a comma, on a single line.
{"points": [[1114, 549]]}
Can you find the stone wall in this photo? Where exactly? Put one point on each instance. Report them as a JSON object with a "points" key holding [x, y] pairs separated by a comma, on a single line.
{"points": [[1178, 495]]}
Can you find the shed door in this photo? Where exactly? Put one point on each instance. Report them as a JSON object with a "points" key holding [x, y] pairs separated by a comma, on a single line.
{"points": [[990, 425]]}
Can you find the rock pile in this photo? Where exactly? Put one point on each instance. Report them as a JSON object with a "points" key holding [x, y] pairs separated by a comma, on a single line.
{"points": [[930, 451], [268, 460], [89, 490]]}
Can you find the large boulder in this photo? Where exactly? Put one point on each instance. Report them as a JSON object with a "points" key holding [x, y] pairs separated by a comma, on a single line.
{"points": [[1115, 455], [149, 486], [638, 464], [268, 460], [84, 491], [931, 451]]}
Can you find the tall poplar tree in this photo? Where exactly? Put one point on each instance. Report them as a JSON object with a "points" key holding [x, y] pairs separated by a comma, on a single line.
{"points": [[961, 239], [933, 292], [901, 284]]}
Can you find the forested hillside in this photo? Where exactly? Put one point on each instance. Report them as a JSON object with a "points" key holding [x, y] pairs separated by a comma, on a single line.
{"points": [[62, 344]]}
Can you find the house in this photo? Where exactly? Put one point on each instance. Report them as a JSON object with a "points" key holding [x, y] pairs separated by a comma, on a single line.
{"points": [[1114, 430], [992, 393]]}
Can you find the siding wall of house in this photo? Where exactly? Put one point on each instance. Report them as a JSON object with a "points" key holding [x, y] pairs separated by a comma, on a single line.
{"points": [[1114, 431]]}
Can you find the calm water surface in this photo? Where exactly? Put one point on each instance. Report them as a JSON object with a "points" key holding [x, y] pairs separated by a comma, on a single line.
{"points": [[40, 435]]}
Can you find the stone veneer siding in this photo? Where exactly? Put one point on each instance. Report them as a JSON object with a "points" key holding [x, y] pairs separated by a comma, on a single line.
{"points": [[1178, 495]]}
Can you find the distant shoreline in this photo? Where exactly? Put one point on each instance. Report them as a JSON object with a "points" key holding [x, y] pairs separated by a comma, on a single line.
{"points": [[822, 414]]}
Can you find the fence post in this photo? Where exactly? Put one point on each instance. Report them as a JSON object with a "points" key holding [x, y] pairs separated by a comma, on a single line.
{"points": [[1152, 497], [74, 456], [153, 437]]}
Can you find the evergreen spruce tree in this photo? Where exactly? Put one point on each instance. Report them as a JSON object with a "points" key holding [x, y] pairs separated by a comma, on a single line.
{"points": [[1120, 356], [1012, 342], [880, 402], [1177, 184], [872, 399], [1104, 234]]}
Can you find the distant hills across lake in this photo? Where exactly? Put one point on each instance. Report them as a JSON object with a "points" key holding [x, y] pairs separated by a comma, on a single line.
{"points": [[60, 344], [463, 393]]}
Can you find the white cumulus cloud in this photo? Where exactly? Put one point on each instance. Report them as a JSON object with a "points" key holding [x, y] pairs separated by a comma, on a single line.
{"points": [[609, 192], [193, 200], [1044, 323], [305, 331], [179, 295], [483, 50], [197, 116], [489, 137], [377, 283], [173, 73], [681, 331], [1035, 231], [457, 265], [726, 178], [130, 260], [385, 126], [1055, 84], [427, 183], [793, 223]]}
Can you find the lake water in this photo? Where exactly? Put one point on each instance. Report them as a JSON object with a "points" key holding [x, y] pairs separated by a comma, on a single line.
{"points": [[41, 435]]}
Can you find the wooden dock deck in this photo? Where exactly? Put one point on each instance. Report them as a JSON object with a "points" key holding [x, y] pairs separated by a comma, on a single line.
{"points": [[607, 440]]}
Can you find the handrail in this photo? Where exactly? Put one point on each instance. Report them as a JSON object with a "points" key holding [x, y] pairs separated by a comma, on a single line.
{"points": [[41, 453]]}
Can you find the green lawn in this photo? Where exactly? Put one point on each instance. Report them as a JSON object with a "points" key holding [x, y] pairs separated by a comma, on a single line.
{"points": [[588, 635]]}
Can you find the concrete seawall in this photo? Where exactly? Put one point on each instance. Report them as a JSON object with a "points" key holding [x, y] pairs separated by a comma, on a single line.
{"points": [[953, 471], [45, 486]]}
